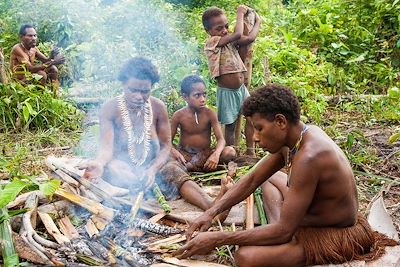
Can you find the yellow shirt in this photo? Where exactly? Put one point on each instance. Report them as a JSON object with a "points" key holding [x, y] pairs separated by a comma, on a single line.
{"points": [[222, 59]]}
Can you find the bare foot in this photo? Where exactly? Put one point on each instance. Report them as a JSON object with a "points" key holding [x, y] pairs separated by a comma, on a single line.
{"points": [[226, 184]]}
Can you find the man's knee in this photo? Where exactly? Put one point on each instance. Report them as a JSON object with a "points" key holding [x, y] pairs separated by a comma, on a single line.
{"points": [[228, 154], [43, 74], [52, 69]]}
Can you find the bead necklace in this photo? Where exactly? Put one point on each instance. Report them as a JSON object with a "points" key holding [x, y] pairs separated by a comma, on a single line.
{"points": [[292, 152], [134, 136]]}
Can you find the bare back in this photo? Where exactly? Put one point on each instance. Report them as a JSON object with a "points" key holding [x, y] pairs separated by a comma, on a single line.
{"points": [[334, 201]]}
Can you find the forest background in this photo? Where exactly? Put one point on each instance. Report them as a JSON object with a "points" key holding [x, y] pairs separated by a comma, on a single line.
{"points": [[341, 58]]}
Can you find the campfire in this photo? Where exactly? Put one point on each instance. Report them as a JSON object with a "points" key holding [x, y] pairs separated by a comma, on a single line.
{"points": [[95, 224]]}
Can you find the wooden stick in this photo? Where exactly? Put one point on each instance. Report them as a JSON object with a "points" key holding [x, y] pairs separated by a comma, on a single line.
{"points": [[227, 247], [90, 205], [250, 212], [67, 228], [136, 205], [52, 228]]}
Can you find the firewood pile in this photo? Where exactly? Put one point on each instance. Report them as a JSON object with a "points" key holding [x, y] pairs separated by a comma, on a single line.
{"points": [[87, 224]]}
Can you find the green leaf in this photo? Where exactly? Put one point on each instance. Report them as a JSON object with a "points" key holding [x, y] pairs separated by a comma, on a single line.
{"points": [[12, 213], [7, 100], [30, 109], [394, 138], [25, 112], [10, 192], [350, 140], [49, 187]]}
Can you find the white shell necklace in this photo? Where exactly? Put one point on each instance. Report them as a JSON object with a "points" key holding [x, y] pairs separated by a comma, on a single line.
{"points": [[134, 136]]}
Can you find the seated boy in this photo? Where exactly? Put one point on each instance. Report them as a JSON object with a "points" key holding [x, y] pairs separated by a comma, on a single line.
{"points": [[227, 68], [195, 122]]}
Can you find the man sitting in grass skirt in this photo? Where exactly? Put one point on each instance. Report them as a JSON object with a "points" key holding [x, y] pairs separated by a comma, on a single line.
{"points": [[135, 141], [313, 209]]}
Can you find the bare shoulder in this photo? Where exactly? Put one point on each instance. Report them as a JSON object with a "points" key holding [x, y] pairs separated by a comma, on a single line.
{"points": [[157, 105], [180, 113], [109, 109], [210, 113], [16, 49], [318, 148]]}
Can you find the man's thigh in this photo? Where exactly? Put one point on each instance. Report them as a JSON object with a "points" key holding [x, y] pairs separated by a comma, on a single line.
{"points": [[290, 254]]}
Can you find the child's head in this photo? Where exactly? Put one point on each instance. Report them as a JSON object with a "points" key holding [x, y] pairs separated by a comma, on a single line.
{"points": [[193, 90], [215, 22]]}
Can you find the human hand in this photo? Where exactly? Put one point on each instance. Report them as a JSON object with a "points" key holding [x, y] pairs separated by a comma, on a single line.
{"points": [[202, 244], [54, 52], [212, 162], [93, 170], [242, 9], [178, 156], [59, 59], [201, 223]]}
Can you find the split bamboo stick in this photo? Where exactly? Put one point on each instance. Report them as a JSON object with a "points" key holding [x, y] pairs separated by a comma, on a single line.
{"points": [[90, 205]]}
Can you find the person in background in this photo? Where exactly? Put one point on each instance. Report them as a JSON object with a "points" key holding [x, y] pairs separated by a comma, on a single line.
{"points": [[195, 122], [24, 55], [226, 66]]}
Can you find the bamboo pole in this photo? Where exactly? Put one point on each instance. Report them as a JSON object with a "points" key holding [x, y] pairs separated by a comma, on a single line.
{"points": [[10, 256], [250, 212]]}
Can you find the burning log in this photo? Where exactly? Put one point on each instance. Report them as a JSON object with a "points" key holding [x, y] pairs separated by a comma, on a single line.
{"points": [[52, 228], [161, 199], [131, 256], [91, 229], [90, 205], [67, 228], [103, 252], [154, 228], [73, 178]]}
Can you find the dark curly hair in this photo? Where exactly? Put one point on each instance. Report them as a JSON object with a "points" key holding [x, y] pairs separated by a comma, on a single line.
{"points": [[210, 13], [270, 100], [140, 68], [22, 29], [188, 81]]}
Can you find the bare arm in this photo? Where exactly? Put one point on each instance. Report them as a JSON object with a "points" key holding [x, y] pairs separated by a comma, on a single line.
{"points": [[174, 127], [94, 168], [238, 31], [295, 206], [240, 191], [40, 56], [297, 201], [54, 59], [23, 59], [248, 39], [218, 133], [212, 161], [106, 134], [163, 130]]}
